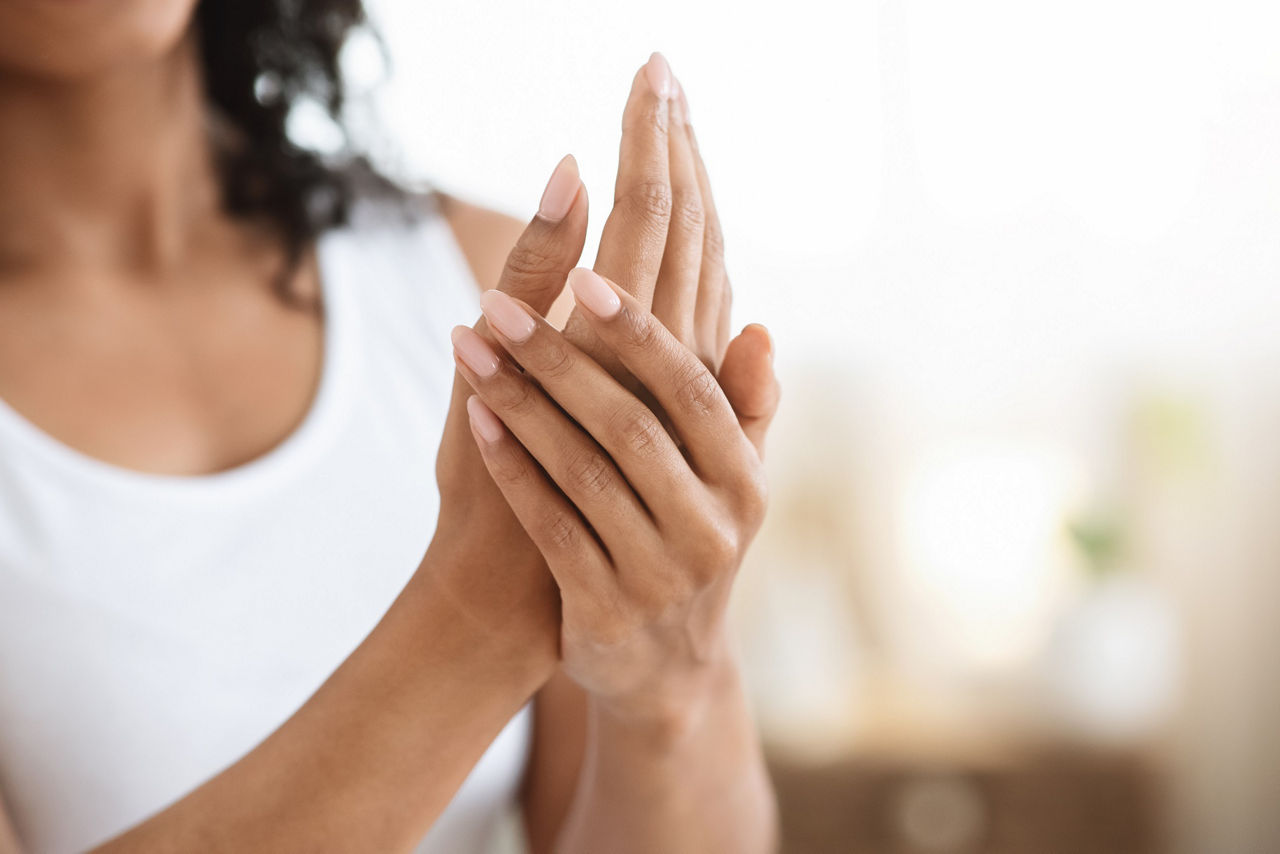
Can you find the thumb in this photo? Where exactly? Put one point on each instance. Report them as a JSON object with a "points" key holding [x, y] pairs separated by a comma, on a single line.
{"points": [[552, 242], [748, 381], [535, 271]]}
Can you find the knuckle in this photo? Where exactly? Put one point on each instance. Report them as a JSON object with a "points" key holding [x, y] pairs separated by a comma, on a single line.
{"points": [[516, 396], [510, 468], [713, 240], [528, 261], [648, 199], [648, 116], [561, 531], [687, 212], [716, 552], [640, 330], [652, 595], [553, 360], [638, 430], [696, 388], [589, 473], [752, 493]]}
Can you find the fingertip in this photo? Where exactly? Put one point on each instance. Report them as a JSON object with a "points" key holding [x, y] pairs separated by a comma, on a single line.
{"points": [[484, 423], [760, 333], [594, 293], [657, 72], [760, 339], [561, 191], [474, 352], [747, 375]]}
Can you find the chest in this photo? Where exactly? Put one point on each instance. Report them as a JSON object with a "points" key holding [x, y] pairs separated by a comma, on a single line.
{"points": [[175, 379], [150, 637], [153, 629]]}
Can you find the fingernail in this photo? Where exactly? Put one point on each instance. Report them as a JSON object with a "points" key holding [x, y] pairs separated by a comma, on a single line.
{"points": [[677, 109], [768, 339], [483, 421], [594, 293], [561, 190], [507, 316], [658, 73], [474, 351], [684, 102]]}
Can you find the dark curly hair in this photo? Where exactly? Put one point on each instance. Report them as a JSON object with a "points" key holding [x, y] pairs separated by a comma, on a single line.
{"points": [[261, 58]]}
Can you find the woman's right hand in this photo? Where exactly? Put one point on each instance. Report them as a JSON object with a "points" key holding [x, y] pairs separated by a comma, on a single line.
{"points": [[480, 557]]}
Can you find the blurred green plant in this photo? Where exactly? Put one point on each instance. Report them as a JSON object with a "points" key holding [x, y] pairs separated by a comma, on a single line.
{"points": [[1099, 539]]}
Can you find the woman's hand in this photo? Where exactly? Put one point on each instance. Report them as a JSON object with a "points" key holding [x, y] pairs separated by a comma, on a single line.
{"points": [[502, 581], [643, 534], [479, 557], [662, 242]]}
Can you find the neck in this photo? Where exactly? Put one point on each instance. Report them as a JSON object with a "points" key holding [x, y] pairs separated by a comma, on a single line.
{"points": [[114, 172]]}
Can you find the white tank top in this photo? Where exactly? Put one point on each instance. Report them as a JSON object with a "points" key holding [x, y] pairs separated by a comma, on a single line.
{"points": [[154, 628]]}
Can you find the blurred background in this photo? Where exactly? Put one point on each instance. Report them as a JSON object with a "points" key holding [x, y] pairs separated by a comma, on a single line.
{"points": [[1019, 588]]}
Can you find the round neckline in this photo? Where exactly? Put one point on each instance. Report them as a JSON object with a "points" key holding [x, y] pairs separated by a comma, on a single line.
{"points": [[308, 437]]}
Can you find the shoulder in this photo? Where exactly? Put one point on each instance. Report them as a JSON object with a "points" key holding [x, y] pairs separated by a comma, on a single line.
{"points": [[485, 236]]}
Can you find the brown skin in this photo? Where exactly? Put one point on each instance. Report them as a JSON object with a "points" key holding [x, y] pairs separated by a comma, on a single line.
{"points": [[642, 623], [560, 708], [684, 737], [138, 324]]}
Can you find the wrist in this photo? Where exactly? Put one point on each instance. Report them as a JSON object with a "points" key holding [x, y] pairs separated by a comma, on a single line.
{"points": [[674, 714], [515, 626]]}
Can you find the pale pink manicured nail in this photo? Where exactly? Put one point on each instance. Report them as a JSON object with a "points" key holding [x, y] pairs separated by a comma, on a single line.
{"points": [[658, 73], [594, 293], [506, 315], [474, 351], [483, 421], [684, 102], [561, 190], [768, 339], [677, 113]]}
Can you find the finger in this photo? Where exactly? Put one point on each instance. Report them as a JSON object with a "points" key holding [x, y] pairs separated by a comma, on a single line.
{"points": [[634, 235], [676, 293], [585, 473], [552, 523], [546, 250], [619, 421], [632, 241], [722, 323], [748, 380], [551, 243], [711, 316], [683, 386], [535, 270]]}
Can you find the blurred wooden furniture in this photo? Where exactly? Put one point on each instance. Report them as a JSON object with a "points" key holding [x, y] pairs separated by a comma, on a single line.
{"points": [[1047, 800]]}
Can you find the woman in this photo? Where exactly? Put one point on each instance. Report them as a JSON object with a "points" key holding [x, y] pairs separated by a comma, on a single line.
{"points": [[225, 620]]}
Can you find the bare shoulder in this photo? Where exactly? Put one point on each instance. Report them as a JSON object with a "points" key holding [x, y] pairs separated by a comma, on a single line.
{"points": [[485, 236], [8, 836]]}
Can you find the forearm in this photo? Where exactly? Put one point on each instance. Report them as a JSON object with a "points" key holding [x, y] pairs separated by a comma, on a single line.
{"points": [[373, 757], [693, 783]]}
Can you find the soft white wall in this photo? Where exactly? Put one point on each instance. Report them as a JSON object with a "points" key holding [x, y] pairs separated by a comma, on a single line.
{"points": [[487, 97], [1062, 178]]}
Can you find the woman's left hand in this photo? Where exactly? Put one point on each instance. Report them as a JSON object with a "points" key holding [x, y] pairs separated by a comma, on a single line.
{"points": [[643, 529]]}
